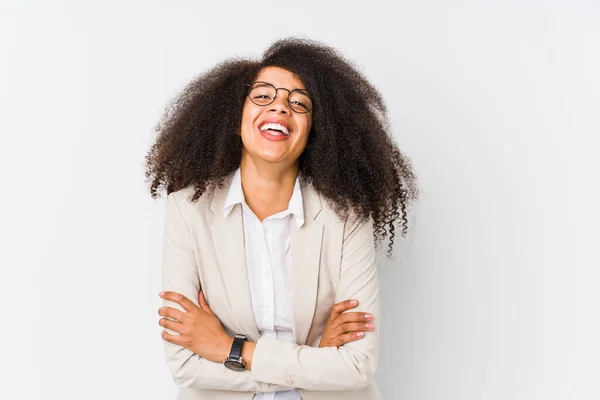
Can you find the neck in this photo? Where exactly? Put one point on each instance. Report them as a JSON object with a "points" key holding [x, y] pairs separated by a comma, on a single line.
{"points": [[267, 188]]}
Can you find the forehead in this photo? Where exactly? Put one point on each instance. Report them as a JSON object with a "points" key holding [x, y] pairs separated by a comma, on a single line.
{"points": [[280, 77]]}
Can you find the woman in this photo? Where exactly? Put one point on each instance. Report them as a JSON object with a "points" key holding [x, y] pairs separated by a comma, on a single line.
{"points": [[281, 178]]}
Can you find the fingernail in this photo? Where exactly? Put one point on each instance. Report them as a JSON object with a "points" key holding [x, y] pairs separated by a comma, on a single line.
{"points": [[353, 302], [369, 326], [368, 316], [161, 294], [360, 334]]}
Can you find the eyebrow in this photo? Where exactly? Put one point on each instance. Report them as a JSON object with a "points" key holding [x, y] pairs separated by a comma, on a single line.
{"points": [[275, 86]]}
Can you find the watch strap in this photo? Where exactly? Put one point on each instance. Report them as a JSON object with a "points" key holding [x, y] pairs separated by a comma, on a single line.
{"points": [[236, 347]]}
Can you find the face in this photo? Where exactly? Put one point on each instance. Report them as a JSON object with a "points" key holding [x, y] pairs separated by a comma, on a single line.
{"points": [[275, 133]]}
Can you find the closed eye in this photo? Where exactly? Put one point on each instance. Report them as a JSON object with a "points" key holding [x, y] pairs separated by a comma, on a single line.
{"points": [[262, 96], [300, 104]]}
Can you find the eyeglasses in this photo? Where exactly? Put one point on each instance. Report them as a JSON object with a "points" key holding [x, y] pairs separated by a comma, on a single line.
{"points": [[263, 94]]}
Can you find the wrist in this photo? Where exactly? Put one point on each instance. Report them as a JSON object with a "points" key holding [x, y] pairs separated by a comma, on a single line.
{"points": [[225, 348], [238, 356], [248, 353]]}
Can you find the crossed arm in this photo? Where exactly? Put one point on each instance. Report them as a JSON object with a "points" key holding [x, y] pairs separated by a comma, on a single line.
{"points": [[274, 365]]}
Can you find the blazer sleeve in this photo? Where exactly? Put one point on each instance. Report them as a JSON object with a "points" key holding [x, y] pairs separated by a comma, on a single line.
{"points": [[351, 366], [180, 274]]}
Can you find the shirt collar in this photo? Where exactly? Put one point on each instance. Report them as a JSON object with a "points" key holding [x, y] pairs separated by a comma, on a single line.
{"points": [[235, 195]]}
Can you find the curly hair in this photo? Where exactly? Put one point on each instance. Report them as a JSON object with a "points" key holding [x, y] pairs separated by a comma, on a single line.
{"points": [[350, 158]]}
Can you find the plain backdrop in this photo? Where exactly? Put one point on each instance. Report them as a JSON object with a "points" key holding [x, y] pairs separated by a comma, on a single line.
{"points": [[493, 295]]}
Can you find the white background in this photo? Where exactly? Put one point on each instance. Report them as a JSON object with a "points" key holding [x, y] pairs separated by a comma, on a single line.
{"points": [[495, 295]]}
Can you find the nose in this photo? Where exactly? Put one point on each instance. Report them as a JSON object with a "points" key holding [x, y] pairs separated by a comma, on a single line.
{"points": [[280, 104]]}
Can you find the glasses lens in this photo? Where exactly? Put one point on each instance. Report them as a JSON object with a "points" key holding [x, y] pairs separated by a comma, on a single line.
{"points": [[262, 94], [299, 101]]}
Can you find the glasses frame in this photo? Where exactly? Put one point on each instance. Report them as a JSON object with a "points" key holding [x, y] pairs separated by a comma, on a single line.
{"points": [[303, 91]]}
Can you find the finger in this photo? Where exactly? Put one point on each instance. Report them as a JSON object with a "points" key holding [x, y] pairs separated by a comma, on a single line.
{"points": [[180, 299], [172, 325], [342, 306], [175, 339], [352, 317], [354, 327], [172, 313], [348, 337], [203, 303]]}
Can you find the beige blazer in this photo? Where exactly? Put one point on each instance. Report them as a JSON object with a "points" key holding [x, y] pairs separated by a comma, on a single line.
{"points": [[332, 260]]}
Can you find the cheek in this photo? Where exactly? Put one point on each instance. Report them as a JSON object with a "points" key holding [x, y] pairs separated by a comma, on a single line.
{"points": [[303, 139], [307, 127], [249, 114]]}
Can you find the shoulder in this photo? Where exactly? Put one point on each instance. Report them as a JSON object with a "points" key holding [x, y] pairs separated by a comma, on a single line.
{"points": [[345, 223], [211, 199], [182, 195], [181, 200], [327, 210]]}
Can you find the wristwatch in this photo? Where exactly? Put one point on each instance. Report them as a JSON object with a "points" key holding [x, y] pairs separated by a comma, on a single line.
{"points": [[234, 361]]}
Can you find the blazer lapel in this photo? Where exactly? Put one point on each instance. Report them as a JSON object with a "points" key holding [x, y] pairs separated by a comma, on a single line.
{"points": [[306, 257], [228, 237]]}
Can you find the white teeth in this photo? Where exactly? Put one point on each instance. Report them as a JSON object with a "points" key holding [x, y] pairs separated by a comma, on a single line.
{"points": [[274, 126]]}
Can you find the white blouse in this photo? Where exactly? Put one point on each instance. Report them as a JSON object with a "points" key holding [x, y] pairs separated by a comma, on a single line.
{"points": [[269, 262]]}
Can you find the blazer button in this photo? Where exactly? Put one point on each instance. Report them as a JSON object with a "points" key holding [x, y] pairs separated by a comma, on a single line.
{"points": [[289, 381]]}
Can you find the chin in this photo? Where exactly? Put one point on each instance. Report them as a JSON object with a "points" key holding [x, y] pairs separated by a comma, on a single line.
{"points": [[270, 155], [272, 158]]}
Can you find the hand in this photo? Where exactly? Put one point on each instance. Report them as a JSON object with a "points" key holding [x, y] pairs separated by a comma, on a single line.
{"points": [[343, 327], [199, 328]]}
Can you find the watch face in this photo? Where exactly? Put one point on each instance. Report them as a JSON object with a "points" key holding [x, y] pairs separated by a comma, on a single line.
{"points": [[234, 365]]}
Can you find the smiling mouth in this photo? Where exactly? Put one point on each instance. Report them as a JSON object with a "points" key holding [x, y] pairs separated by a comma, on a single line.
{"points": [[275, 129]]}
